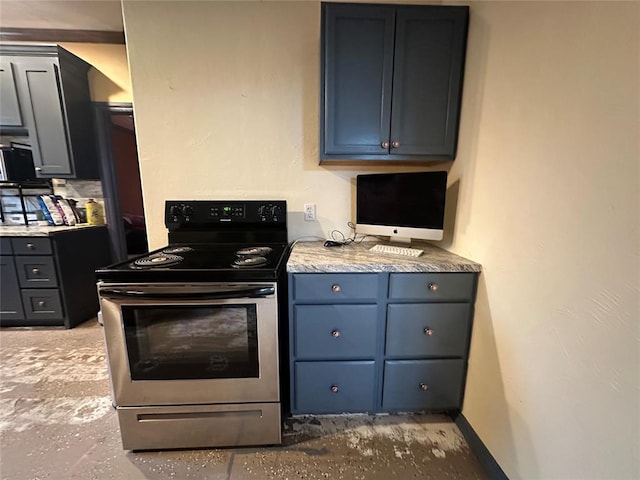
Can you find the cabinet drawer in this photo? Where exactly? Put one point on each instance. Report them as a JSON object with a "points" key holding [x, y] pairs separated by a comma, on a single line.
{"points": [[432, 286], [36, 272], [335, 287], [428, 329], [31, 246], [334, 387], [413, 385], [42, 303], [5, 246], [335, 331]]}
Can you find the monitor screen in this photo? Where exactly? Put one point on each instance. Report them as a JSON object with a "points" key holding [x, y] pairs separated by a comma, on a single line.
{"points": [[401, 205]]}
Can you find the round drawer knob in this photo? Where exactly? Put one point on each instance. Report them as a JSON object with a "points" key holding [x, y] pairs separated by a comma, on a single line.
{"points": [[424, 387], [428, 331], [395, 144], [30, 246], [336, 288], [35, 271], [38, 169], [433, 287], [384, 144], [41, 303], [335, 333], [334, 389]]}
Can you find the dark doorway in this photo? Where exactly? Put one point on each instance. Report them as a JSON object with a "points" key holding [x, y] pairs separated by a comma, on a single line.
{"points": [[121, 180]]}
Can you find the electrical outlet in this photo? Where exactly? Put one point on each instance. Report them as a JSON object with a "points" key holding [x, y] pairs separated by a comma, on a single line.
{"points": [[309, 212]]}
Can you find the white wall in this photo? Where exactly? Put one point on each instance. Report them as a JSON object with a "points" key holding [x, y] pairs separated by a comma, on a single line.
{"points": [[546, 181], [548, 203]]}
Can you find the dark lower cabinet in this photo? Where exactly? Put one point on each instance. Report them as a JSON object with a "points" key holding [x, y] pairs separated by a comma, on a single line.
{"points": [[379, 342], [51, 280], [391, 82]]}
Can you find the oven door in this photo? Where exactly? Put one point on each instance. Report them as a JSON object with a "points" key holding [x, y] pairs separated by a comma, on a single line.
{"points": [[191, 344]]}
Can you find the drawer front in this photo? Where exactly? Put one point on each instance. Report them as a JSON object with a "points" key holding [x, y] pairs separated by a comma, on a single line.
{"points": [[414, 385], [31, 246], [5, 246], [42, 304], [334, 387], [427, 329], [432, 286], [335, 331], [36, 272], [10, 300], [335, 287]]}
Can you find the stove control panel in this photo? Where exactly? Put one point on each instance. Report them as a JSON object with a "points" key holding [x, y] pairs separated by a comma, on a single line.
{"points": [[186, 213]]}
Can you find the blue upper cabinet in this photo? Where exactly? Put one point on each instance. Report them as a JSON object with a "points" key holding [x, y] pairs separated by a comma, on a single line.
{"points": [[391, 82]]}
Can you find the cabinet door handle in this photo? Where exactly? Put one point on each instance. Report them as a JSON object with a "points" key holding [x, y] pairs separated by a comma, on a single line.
{"points": [[35, 271], [395, 144], [433, 287], [428, 331], [385, 144], [334, 389], [335, 288], [38, 169], [30, 246], [41, 303], [335, 333], [424, 387]]}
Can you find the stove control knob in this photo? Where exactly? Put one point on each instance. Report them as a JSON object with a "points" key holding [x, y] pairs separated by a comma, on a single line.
{"points": [[175, 210], [187, 210]]}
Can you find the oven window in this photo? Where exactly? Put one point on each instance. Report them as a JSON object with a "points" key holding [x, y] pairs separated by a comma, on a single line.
{"points": [[191, 342]]}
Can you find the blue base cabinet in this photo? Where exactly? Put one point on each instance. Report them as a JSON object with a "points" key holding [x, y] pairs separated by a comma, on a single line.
{"points": [[379, 342]]}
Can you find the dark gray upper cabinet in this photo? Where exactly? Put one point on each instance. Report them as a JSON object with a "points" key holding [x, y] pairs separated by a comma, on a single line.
{"points": [[391, 82], [10, 115], [53, 94]]}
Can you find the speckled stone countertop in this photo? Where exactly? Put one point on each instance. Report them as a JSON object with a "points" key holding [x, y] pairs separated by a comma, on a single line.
{"points": [[313, 257], [37, 230]]}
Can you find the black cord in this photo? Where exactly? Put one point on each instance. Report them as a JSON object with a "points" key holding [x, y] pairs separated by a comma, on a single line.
{"points": [[353, 238]]}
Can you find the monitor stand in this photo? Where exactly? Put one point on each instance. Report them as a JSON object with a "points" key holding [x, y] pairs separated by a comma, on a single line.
{"points": [[400, 241]]}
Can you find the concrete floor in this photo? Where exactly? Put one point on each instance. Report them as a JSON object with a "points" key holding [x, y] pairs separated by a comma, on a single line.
{"points": [[57, 422]]}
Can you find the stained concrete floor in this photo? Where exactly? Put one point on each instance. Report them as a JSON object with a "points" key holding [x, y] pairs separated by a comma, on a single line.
{"points": [[57, 422]]}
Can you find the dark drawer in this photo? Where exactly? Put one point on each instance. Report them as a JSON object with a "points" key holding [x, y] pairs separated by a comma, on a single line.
{"points": [[335, 331], [31, 246], [428, 329], [42, 303], [5, 246], [413, 385], [336, 287], [36, 272], [432, 286], [334, 387]]}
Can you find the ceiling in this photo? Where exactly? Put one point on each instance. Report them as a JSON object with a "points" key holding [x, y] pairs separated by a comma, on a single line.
{"points": [[62, 14]]}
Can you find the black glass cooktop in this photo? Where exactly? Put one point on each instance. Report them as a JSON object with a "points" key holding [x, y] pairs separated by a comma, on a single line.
{"points": [[202, 262]]}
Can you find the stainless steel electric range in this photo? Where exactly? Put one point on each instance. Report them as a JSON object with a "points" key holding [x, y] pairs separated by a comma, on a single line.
{"points": [[193, 331]]}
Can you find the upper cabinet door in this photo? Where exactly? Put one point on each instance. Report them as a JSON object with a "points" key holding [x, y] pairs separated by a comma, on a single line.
{"points": [[427, 81], [44, 115], [9, 107], [357, 79], [391, 82]]}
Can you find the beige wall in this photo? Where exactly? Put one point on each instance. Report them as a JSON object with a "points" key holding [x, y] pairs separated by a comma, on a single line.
{"points": [[226, 99]]}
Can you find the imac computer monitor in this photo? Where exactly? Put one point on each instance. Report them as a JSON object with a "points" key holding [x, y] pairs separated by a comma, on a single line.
{"points": [[401, 206]]}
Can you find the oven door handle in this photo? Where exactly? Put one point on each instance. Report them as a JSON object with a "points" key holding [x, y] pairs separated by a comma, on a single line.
{"points": [[145, 295]]}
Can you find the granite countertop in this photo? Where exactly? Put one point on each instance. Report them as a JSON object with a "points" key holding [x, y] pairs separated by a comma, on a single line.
{"points": [[38, 230], [313, 257]]}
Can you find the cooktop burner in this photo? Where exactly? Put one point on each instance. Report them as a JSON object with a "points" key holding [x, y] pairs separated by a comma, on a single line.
{"points": [[261, 251], [181, 249], [158, 260], [249, 261]]}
